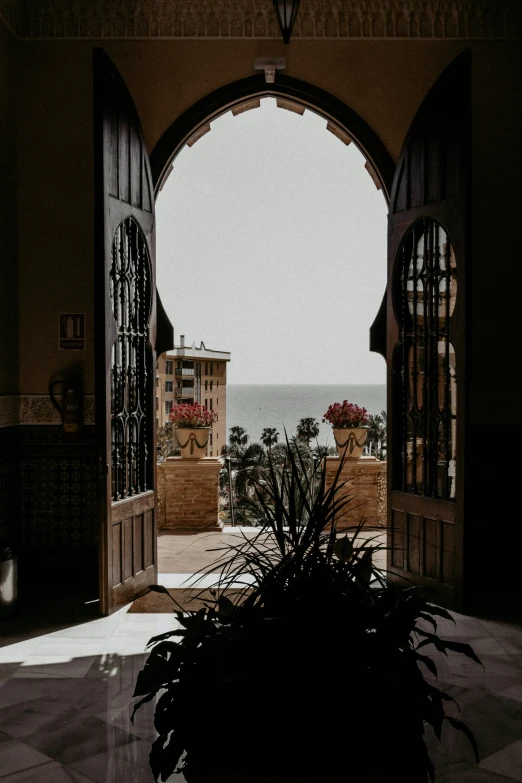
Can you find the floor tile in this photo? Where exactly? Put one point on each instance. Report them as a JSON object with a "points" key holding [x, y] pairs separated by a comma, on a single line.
{"points": [[53, 666], [126, 764], [116, 667], [8, 669], [18, 690], [18, 652], [43, 773], [465, 773], [513, 692], [507, 762], [34, 715], [59, 774], [79, 739], [70, 648], [16, 756], [143, 725]]}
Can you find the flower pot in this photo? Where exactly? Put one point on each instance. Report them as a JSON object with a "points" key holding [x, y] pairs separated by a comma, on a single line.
{"points": [[192, 441], [350, 441]]}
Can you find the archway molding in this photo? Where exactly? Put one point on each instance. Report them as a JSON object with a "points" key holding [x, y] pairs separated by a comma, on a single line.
{"points": [[195, 120]]}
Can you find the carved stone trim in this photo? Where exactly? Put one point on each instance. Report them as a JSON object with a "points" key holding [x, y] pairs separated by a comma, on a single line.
{"points": [[36, 409], [237, 19]]}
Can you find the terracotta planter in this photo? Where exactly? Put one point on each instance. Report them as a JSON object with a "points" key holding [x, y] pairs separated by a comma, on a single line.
{"points": [[350, 441], [192, 441]]}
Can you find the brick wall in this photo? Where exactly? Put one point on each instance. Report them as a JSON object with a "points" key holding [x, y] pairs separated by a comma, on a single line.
{"points": [[364, 482], [191, 496]]}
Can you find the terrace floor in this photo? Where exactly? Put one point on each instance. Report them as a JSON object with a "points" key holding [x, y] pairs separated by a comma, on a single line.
{"points": [[66, 688]]}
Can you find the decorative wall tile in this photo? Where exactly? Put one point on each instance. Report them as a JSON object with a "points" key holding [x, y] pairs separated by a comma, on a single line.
{"points": [[37, 409], [328, 19]]}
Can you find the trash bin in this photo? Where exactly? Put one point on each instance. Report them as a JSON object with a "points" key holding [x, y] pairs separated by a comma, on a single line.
{"points": [[8, 580]]}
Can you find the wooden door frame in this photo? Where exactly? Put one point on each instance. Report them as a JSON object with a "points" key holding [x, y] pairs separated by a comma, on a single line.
{"points": [[130, 507], [456, 222]]}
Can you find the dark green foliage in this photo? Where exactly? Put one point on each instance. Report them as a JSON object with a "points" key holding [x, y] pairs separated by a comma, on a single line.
{"points": [[317, 669], [376, 439]]}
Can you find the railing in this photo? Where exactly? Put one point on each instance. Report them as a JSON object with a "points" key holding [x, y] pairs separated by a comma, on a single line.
{"points": [[186, 391], [185, 371]]}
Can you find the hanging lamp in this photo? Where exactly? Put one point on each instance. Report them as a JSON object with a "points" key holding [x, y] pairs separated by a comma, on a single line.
{"points": [[286, 12]]}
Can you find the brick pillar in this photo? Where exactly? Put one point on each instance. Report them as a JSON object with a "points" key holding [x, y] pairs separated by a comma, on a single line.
{"points": [[362, 477], [191, 494]]}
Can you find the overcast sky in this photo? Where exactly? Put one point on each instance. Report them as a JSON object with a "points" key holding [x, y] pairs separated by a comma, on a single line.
{"points": [[271, 244]]}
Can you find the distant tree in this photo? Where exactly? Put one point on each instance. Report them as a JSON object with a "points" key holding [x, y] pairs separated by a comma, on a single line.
{"points": [[269, 437], [249, 468], [166, 442], [307, 429], [376, 440], [319, 452], [238, 437]]}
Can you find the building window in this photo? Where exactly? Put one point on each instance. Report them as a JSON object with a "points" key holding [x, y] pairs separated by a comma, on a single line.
{"points": [[211, 384], [168, 386], [211, 403], [206, 385], [168, 406], [217, 401], [211, 368], [157, 382], [206, 368], [157, 403], [168, 367], [206, 403]]}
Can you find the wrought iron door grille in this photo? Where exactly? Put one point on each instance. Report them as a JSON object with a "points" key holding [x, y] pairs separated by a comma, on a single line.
{"points": [[131, 375], [425, 366]]}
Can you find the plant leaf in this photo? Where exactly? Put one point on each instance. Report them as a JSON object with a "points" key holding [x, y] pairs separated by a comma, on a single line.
{"points": [[147, 698], [428, 662], [343, 548], [460, 726], [159, 589]]}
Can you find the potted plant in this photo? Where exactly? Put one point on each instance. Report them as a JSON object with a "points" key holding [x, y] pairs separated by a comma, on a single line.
{"points": [[349, 422], [192, 423], [8, 579], [320, 661]]}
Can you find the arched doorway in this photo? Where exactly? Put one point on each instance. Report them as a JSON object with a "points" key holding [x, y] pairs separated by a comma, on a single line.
{"points": [[420, 180]]}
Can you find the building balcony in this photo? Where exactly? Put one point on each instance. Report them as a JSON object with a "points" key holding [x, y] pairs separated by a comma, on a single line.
{"points": [[186, 391], [185, 371]]}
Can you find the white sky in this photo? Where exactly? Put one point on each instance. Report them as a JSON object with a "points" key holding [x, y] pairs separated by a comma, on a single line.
{"points": [[271, 244]]}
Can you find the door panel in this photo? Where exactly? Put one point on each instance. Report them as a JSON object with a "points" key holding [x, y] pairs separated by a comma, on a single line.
{"points": [[125, 279], [427, 246]]}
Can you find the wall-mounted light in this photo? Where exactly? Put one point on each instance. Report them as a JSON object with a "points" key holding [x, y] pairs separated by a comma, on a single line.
{"points": [[286, 12]]}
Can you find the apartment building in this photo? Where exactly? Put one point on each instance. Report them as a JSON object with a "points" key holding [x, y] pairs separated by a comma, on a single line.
{"points": [[194, 374]]}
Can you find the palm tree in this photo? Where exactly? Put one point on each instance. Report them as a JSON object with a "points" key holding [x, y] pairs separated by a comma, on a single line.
{"points": [[376, 441], [238, 437], [307, 429], [269, 437], [248, 467]]}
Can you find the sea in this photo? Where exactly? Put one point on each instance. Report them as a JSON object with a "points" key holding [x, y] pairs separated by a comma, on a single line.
{"points": [[255, 407]]}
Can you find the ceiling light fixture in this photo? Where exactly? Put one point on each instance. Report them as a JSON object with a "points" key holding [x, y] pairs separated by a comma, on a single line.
{"points": [[286, 12]]}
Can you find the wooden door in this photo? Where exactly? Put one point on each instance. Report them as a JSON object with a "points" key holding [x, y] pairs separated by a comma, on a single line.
{"points": [[426, 351], [125, 336]]}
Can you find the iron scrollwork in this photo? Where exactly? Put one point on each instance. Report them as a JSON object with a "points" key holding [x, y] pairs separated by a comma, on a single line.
{"points": [[131, 374], [425, 295]]}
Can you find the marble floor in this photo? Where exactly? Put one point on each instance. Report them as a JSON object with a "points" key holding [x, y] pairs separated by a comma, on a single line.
{"points": [[66, 694]]}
